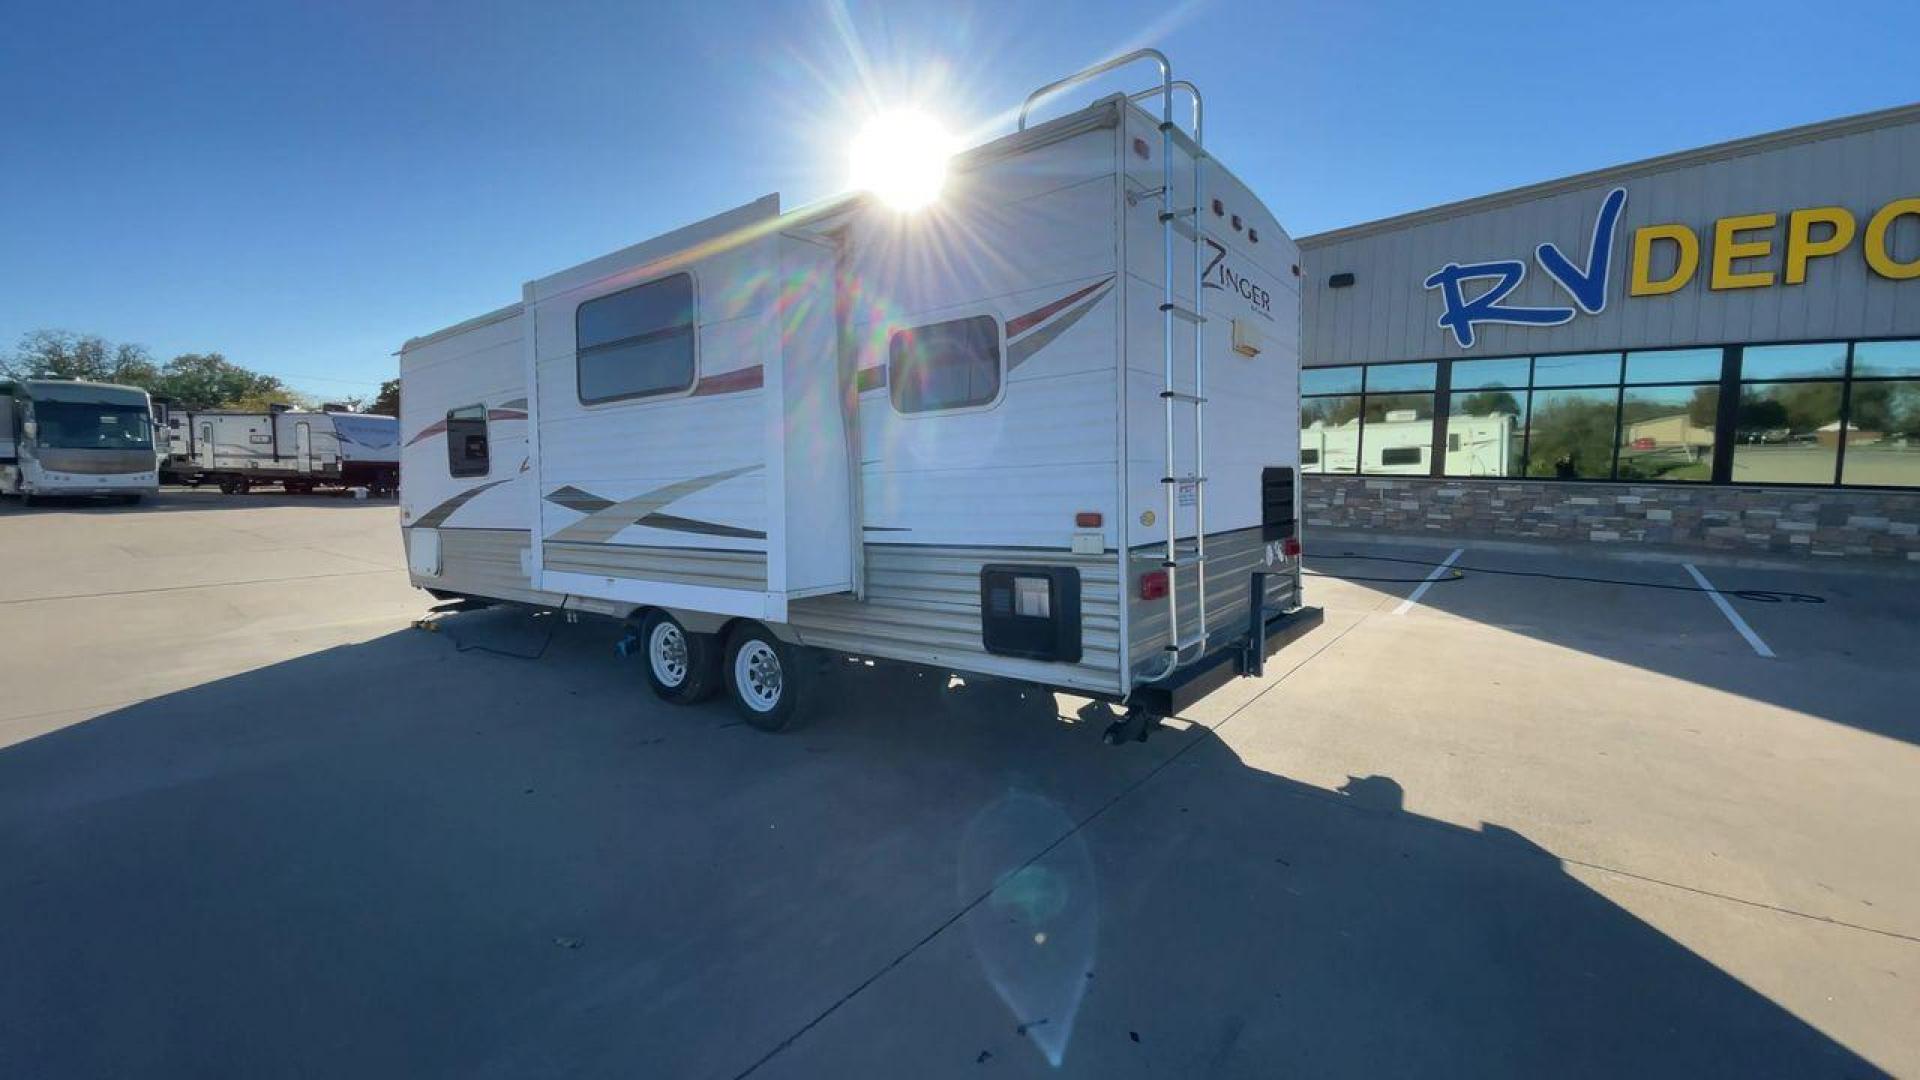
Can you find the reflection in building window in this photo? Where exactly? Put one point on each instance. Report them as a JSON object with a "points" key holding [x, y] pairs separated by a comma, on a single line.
{"points": [[1485, 429], [1788, 433], [1666, 432], [1330, 433], [1570, 434], [1397, 430], [1883, 434]]}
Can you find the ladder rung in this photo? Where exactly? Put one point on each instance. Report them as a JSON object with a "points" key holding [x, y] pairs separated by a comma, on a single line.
{"points": [[1176, 395], [1184, 312], [1183, 479], [1170, 215], [1182, 562], [1187, 644]]}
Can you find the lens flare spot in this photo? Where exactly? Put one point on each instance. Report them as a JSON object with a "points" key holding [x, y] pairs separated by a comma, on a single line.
{"points": [[901, 157]]}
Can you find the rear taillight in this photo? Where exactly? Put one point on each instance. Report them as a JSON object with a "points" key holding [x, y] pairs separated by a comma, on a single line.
{"points": [[1153, 585], [1291, 547]]}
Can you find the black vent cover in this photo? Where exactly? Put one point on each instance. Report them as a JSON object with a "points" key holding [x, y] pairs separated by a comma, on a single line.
{"points": [[1278, 519]]}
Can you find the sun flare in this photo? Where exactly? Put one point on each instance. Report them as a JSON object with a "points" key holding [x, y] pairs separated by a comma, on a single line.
{"points": [[901, 157]]}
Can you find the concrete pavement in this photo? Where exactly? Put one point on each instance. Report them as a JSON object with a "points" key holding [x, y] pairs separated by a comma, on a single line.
{"points": [[251, 824]]}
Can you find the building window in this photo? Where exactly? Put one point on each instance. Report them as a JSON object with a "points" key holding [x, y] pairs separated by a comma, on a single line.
{"points": [[467, 441], [638, 342], [1570, 433], [1669, 411], [1487, 418], [1788, 431], [1882, 445], [948, 365], [1396, 417], [1819, 414]]}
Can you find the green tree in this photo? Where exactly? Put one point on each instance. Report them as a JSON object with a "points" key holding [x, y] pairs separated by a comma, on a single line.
{"points": [[1487, 403], [63, 354], [387, 401], [211, 381]]}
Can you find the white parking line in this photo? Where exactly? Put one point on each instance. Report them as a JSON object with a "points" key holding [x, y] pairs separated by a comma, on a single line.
{"points": [[1726, 609], [1445, 565]]}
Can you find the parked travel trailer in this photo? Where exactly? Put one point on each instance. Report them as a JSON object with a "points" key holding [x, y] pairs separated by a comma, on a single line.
{"points": [[297, 450], [65, 437], [1043, 429]]}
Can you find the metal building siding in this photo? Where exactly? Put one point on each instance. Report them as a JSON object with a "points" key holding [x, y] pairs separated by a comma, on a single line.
{"points": [[1388, 314]]}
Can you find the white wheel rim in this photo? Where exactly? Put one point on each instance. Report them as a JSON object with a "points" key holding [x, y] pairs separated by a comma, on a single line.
{"points": [[667, 652], [756, 674]]}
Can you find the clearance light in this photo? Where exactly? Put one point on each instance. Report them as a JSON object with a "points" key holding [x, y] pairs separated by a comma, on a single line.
{"points": [[901, 157], [1153, 585], [1087, 519]]}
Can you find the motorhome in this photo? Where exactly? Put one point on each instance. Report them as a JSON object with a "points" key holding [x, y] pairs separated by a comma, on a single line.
{"points": [[67, 437], [296, 449], [1043, 429]]}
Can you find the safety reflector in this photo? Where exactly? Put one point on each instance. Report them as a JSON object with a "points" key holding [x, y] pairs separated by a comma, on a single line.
{"points": [[1153, 585]]}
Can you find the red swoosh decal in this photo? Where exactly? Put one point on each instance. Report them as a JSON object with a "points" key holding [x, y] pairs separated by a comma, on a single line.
{"points": [[1016, 327], [747, 378]]}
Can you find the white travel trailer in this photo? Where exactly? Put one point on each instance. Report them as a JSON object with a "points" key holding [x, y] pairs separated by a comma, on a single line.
{"points": [[1044, 429], [297, 450], [66, 437]]}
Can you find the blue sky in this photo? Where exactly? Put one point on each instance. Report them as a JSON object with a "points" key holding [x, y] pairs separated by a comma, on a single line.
{"points": [[303, 186]]}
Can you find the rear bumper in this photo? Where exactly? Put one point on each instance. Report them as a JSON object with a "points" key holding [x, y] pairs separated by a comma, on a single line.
{"points": [[1177, 692]]}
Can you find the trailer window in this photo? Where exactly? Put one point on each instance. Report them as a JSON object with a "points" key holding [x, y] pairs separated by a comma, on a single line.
{"points": [[467, 441], [638, 342], [948, 365]]}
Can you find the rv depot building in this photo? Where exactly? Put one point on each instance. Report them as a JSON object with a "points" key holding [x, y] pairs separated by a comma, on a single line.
{"points": [[1718, 348]]}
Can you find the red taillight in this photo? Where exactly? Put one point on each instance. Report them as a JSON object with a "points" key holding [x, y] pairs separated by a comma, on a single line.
{"points": [[1291, 547], [1087, 519], [1153, 585]]}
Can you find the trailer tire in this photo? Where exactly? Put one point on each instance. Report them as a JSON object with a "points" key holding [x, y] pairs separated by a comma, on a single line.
{"points": [[682, 667], [771, 683]]}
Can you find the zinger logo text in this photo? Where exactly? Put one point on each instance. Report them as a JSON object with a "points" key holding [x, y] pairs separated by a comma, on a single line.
{"points": [[1218, 275]]}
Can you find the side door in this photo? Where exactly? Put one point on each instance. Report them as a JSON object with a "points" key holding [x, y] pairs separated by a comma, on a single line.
{"points": [[303, 447]]}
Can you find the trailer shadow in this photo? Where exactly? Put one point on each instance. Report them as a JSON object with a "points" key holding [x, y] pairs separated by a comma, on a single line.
{"points": [[400, 858]]}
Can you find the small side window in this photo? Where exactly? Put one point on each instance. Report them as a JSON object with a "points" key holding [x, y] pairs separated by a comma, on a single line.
{"points": [[467, 441], [1400, 455], [1310, 456], [947, 365]]}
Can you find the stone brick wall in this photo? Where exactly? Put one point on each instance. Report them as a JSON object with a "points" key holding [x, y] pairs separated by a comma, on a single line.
{"points": [[1777, 521]]}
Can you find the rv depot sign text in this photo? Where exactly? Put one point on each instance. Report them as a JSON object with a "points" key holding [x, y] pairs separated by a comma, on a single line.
{"points": [[1741, 254]]}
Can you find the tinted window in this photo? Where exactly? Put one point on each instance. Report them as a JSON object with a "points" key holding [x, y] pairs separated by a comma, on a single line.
{"points": [[1490, 374], [1330, 434], [1825, 360], [949, 365], [1384, 377], [1666, 432], [1570, 435], [1576, 370], [1674, 365], [1396, 428], [1787, 434], [1883, 438], [1882, 358], [1338, 380], [636, 343], [467, 441], [1486, 430]]}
